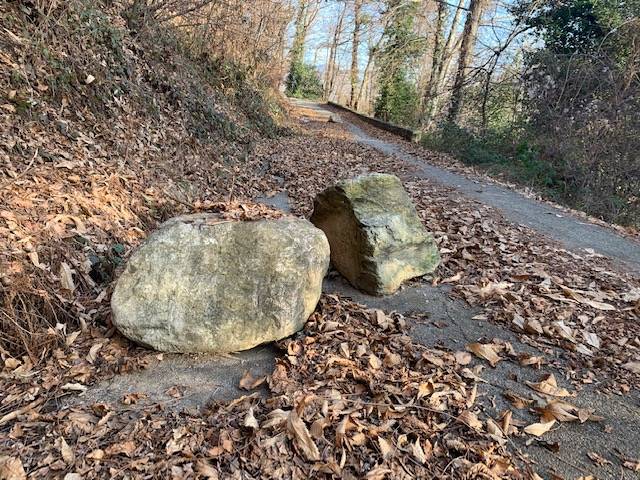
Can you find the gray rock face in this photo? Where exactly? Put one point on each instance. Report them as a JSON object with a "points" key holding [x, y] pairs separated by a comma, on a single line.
{"points": [[204, 284], [376, 237]]}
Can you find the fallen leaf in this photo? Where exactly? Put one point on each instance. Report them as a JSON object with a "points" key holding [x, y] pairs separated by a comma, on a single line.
{"points": [[11, 468], [386, 448], [374, 362], [249, 382], [66, 451], [418, 452], [516, 400], [538, 429], [598, 459], [133, 398], [121, 448], [470, 419], [250, 420], [548, 386], [485, 351], [463, 358], [298, 431], [66, 277], [204, 468], [633, 465], [558, 410], [632, 367]]}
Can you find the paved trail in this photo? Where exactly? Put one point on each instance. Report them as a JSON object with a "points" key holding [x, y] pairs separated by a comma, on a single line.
{"points": [[442, 323], [573, 232]]}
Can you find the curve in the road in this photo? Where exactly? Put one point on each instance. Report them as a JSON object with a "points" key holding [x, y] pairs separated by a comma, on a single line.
{"points": [[573, 232]]}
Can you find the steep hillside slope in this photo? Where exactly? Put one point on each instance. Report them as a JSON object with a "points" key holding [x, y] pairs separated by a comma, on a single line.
{"points": [[106, 129]]}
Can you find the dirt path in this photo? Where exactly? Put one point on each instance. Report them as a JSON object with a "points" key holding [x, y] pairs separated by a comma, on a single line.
{"points": [[573, 232]]}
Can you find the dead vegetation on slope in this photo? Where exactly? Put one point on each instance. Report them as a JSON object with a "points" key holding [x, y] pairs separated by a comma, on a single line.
{"points": [[103, 135]]}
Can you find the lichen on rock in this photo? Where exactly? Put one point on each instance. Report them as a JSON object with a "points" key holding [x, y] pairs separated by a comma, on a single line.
{"points": [[204, 284], [376, 236]]}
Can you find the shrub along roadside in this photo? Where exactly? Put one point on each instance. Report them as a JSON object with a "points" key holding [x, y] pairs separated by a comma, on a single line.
{"points": [[303, 81], [519, 158]]}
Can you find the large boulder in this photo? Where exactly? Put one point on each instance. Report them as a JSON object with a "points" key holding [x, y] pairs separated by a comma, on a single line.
{"points": [[376, 237], [204, 284]]}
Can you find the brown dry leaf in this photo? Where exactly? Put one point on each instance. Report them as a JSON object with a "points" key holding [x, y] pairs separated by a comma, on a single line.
{"points": [[97, 454], [587, 301], [275, 418], [492, 289], [463, 358], [71, 338], [66, 277], [93, 352], [374, 362], [598, 459], [249, 382], [250, 420], [66, 451], [470, 419], [378, 473], [11, 469], [133, 398], [298, 431], [527, 360], [516, 400], [425, 389], [548, 386], [485, 351], [386, 448], [591, 339], [453, 279], [632, 367], [633, 465], [175, 391], [538, 429], [506, 422], [533, 326], [558, 410], [494, 429], [418, 452], [391, 359], [204, 468], [382, 320], [122, 448]]}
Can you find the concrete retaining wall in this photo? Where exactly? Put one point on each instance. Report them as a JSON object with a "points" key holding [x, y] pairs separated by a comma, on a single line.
{"points": [[395, 129]]}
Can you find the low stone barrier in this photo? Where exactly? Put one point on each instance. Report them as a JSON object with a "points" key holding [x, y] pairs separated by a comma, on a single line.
{"points": [[403, 132]]}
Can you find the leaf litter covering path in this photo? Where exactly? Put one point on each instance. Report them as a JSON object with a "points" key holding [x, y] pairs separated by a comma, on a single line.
{"points": [[550, 295], [508, 270]]}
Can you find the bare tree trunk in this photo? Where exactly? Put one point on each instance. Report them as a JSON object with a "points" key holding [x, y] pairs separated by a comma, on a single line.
{"points": [[464, 59], [436, 65], [441, 69], [330, 72], [357, 20], [297, 47], [373, 51]]}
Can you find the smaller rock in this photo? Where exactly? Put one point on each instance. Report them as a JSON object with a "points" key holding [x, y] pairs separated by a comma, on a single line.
{"points": [[377, 239], [335, 118]]}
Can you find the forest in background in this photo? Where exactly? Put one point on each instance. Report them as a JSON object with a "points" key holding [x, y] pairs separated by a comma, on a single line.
{"points": [[544, 93]]}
